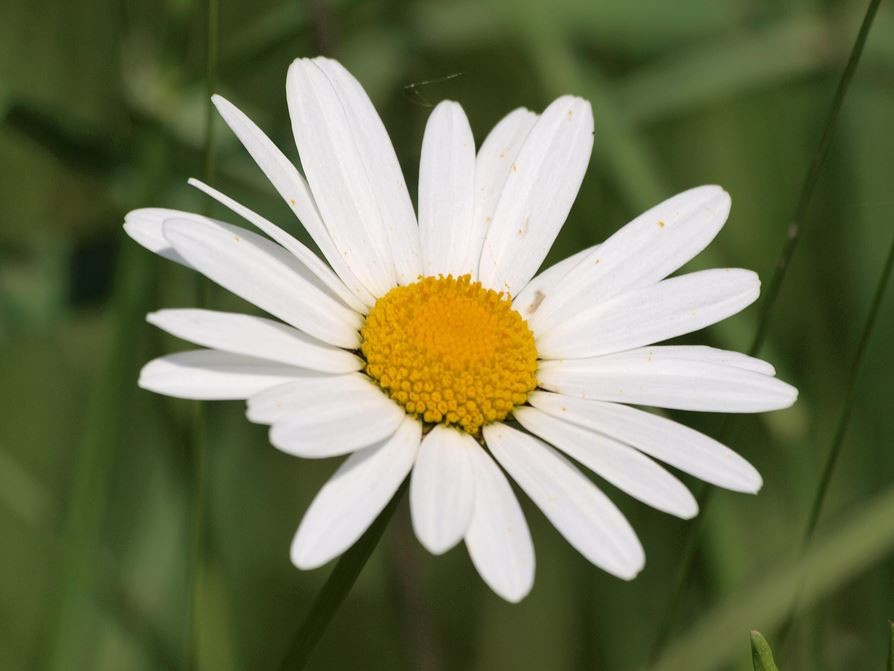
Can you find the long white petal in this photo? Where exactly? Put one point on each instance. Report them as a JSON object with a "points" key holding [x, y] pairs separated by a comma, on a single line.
{"points": [[721, 357], [644, 316], [273, 405], [585, 516], [328, 418], [646, 250], [673, 443], [209, 375], [291, 186], [354, 496], [492, 166], [265, 274], [323, 273], [145, 227], [538, 194], [659, 377], [442, 489], [446, 192], [254, 336], [498, 539], [535, 292], [342, 187], [621, 465], [385, 175]]}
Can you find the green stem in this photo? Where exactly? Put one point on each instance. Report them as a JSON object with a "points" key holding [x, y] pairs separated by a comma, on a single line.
{"points": [[337, 587], [94, 461], [795, 230], [799, 221], [199, 459], [847, 408], [891, 647], [840, 430]]}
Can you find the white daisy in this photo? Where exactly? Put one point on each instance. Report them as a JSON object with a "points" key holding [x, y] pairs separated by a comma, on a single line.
{"points": [[432, 347]]}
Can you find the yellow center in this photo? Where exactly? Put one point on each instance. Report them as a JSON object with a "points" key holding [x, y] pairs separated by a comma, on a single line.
{"points": [[450, 351]]}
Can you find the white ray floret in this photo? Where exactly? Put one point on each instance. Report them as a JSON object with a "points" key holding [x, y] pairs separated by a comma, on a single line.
{"points": [[353, 498], [447, 191], [442, 489]]}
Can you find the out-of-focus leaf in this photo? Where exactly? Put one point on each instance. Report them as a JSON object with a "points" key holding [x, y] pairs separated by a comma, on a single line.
{"points": [[856, 544], [726, 67], [891, 647], [761, 654]]}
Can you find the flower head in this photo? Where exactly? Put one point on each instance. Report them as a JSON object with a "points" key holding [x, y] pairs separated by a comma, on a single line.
{"points": [[432, 346]]}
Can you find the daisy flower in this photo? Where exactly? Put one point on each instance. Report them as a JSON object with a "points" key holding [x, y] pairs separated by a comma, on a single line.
{"points": [[429, 346]]}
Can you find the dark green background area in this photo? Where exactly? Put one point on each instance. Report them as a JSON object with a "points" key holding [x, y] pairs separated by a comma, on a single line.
{"points": [[103, 109]]}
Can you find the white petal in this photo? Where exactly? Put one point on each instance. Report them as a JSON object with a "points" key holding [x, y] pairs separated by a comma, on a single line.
{"points": [[538, 194], [265, 274], [646, 250], [352, 498], [492, 166], [677, 445], [145, 227], [386, 178], [532, 296], [585, 516], [291, 186], [498, 539], [209, 375], [621, 465], [313, 263], [659, 377], [661, 311], [442, 489], [254, 336], [722, 357], [313, 423], [273, 405], [446, 192], [342, 186]]}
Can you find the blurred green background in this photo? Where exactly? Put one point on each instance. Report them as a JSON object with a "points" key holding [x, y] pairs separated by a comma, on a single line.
{"points": [[103, 109]]}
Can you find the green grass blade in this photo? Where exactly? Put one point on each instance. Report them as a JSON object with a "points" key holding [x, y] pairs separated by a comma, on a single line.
{"points": [[93, 464], [761, 654], [795, 230], [199, 458], [337, 587], [844, 419], [799, 222], [860, 541], [891, 647]]}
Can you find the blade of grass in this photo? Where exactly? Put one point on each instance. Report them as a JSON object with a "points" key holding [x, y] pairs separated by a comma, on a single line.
{"points": [[891, 647], [859, 541], [93, 462], [337, 587], [795, 230], [834, 454], [761, 654], [846, 410], [195, 578], [799, 221]]}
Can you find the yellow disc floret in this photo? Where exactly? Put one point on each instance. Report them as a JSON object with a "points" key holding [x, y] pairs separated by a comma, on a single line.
{"points": [[450, 351]]}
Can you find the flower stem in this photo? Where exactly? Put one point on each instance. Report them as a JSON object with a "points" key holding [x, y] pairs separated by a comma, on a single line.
{"points": [[840, 430], [795, 230], [197, 509], [337, 586]]}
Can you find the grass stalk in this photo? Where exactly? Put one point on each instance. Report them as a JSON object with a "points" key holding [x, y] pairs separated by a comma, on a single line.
{"points": [[336, 588], [197, 554], [794, 232]]}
